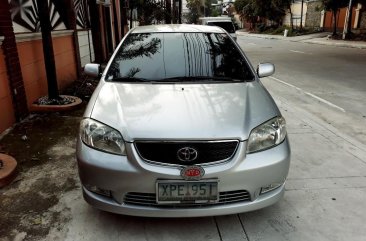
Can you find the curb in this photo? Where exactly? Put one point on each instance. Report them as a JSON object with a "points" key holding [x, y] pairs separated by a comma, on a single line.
{"points": [[8, 171], [339, 44], [307, 40], [56, 108], [264, 36]]}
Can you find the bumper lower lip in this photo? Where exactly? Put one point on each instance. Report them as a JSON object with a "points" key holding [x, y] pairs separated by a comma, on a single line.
{"points": [[109, 205]]}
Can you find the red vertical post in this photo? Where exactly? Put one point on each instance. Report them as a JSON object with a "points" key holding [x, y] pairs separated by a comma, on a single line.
{"points": [[96, 31], [71, 15], [14, 71]]}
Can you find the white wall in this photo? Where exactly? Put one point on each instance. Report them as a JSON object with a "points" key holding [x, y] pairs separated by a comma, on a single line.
{"points": [[28, 13], [86, 53], [296, 14]]}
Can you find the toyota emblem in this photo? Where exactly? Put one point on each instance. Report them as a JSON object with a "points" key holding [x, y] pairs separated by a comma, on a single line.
{"points": [[187, 154]]}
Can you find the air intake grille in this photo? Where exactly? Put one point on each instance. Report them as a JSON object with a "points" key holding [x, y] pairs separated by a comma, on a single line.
{"points": [[149, 199], [167, 152]]}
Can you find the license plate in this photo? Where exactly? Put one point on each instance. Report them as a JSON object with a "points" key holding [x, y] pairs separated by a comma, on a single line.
{"points": [[182, 191]]}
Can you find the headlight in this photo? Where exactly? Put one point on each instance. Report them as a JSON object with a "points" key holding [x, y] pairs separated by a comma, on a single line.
{"points": [[267, 135], [101, 137]]}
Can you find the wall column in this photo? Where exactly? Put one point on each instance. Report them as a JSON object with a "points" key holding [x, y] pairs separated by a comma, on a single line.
{"points": [[322, 19], [14, 72], [96, 31], [356, 24], [69, 4]]}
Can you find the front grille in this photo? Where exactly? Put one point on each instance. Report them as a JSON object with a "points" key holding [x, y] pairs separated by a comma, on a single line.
{"points": [[149, 199], [167, 152]]}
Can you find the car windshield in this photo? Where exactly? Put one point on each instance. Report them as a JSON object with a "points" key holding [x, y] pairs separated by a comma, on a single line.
{"points": [[228, 26], [178, 57]]}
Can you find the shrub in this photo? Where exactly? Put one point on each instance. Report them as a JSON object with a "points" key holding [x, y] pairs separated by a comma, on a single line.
{"points": [[261, 27]]}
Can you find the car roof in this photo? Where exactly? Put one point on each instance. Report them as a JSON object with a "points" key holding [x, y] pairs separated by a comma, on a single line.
{"points": [[177, 28]]}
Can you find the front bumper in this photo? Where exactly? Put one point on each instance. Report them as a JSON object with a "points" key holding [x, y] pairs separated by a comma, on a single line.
{"points": [[125, 174]]}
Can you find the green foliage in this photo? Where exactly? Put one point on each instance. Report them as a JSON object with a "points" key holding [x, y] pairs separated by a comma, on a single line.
{"points": [[194, 11], [240, 4], [273, 10], [291, 32], [246, 9], [261, 27], [281, 30], [215, 13], [148, 11], [334, 5], [208, 8]]}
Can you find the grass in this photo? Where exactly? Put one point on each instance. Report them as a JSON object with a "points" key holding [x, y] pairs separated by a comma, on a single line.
{"points": [[291, 32]]}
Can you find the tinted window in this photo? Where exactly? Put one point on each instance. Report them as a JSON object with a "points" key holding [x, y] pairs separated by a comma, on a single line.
{"points": [[163, 56], [228, 26]]}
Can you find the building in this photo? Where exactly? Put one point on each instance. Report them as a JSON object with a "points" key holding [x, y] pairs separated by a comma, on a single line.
{"points": [[313, 16], [358, 19], [82, 31], [307, 11]]}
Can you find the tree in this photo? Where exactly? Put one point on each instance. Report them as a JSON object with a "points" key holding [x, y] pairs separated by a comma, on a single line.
{"points": [[246, 10], [347, 33], [44, 17], [148, 11], [334, 6], [240, 4], [278, 9], [208, 8], [273, 10], [288, 4], [194, 11]]}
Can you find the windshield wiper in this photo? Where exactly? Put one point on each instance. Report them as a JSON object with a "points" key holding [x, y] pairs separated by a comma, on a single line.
{"points": [[129, 79], [196, 78]]}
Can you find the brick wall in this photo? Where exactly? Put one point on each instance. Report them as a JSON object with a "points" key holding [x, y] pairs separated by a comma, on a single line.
{"points": [[313, 14], [363, 19], [86, 51], [22, 70], [13, 69], [7, 116], [33, 68]]}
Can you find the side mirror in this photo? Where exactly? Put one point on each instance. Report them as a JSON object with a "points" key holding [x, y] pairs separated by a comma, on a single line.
{"points": [[92, 70], [265, 69]]}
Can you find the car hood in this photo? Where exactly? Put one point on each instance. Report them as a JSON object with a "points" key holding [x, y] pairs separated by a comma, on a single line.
{"points": [[213, 111]]}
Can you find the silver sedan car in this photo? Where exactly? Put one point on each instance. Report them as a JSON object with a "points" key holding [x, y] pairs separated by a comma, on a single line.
{"points": [[181, 126]]}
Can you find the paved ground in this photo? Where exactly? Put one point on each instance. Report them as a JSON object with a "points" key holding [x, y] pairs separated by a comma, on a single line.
{"points": [[334, 76], [316, 38], [325, 191]]}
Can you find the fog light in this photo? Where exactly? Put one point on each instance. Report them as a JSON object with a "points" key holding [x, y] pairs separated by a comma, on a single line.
{"points": [[98, 190], [270, 187]]}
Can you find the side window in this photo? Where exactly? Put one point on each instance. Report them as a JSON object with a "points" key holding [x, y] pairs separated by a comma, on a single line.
{"points": [[228, 60]]}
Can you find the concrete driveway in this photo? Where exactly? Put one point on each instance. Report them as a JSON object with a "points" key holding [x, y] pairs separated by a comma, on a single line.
{"points": [[325, 197]]}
